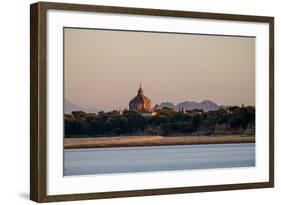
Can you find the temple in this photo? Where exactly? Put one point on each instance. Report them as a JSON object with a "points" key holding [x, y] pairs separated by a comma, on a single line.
{"points": [[140, 103]]}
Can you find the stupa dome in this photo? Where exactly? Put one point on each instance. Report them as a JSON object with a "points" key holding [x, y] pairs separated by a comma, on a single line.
{"points": [[140, 103]]}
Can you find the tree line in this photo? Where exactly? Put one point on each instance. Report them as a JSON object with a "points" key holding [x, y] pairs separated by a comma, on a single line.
{"points": [[167, 122]]}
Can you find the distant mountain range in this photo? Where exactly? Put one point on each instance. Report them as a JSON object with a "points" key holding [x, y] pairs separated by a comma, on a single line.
{"points": [[69, 107], [167, 105], [206, 105]]}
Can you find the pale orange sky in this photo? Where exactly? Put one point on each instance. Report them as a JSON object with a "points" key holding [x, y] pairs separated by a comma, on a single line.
{"points": [[103, 69]]}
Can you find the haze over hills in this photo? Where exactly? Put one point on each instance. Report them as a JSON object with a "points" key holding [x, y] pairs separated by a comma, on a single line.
{"points": [[206, 105], [167, 104], [70, 107]]}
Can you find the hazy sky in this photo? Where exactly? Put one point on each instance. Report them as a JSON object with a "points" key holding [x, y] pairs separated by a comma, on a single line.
{"points": [[103, 69]]}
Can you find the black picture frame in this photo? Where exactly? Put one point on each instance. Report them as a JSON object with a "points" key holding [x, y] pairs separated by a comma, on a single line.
{"points": [[38, 100]]}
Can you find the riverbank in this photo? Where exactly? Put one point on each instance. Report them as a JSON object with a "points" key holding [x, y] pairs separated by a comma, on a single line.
{"points": [[138, 141]]}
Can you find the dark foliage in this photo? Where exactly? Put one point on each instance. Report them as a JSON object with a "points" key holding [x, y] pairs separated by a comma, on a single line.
{"points": [[166, 122]]}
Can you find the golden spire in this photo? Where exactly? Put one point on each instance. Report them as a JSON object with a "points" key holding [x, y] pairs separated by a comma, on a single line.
{"points": [[140, 91]]}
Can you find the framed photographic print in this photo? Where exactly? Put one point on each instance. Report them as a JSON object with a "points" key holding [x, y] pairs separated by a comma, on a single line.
{"points": [[134, 102]]}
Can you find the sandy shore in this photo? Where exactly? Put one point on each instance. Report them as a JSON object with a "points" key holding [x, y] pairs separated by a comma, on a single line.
{"points": [[135, 141]]}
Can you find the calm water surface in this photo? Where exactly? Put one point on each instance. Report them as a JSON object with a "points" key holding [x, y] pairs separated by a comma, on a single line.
{"points": [[157, 158]]}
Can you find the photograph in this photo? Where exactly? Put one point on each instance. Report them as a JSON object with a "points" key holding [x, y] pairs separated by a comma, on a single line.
{"points": [[141, 101]]}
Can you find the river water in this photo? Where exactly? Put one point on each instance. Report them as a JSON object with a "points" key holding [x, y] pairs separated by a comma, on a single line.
{"points": [[157, 158]]}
